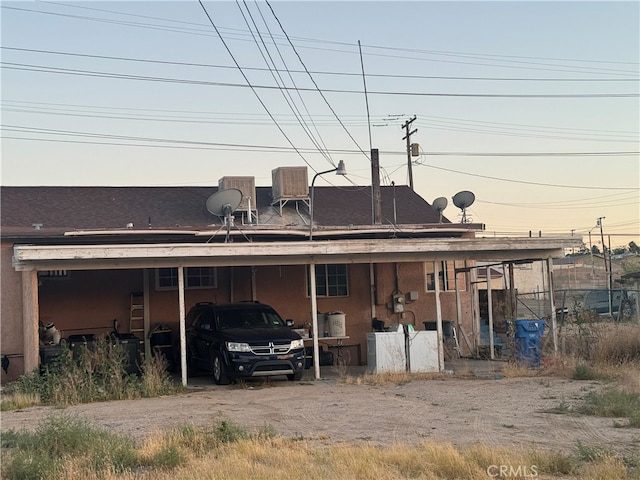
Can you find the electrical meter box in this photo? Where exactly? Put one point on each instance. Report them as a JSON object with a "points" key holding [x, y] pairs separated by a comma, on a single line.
{"points": [[398, 303]]}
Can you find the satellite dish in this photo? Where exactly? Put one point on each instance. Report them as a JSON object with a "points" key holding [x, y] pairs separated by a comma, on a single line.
{"points": [[223, 204], [439, 204], [462, 200]]}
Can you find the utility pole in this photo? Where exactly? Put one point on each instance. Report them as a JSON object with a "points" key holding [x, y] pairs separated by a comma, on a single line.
{"points": [[607, 268], [407, 137]]}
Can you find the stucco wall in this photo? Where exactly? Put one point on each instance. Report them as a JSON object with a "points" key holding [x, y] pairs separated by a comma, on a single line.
{"points": [[11, 333], [529, 278]]}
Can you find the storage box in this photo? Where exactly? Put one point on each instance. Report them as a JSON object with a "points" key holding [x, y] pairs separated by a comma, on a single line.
{"points": [[160, 337], [132, 347], [50, 353], [80, 343]]}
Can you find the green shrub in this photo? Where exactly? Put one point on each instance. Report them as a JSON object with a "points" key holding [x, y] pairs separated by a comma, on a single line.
{"points": [[615, 403], [584, 372], [168, 458], [92, 375], [228, 432], [43, 452]]}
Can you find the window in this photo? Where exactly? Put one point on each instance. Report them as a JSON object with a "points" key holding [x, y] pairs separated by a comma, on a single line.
{"points": [[194, 277], [447, 276], [53, 274], [332, 280]]}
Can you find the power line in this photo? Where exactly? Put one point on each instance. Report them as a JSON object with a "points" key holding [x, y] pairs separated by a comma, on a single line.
{"points": [[522, 133], [92, 73], [224, 118], [558, 207], [314, 82], [315, 72], [581, 187], [251, 86], [243, 147], [568, 203], [285, 93], [499, 58], [527, 126], [333, 42], [432, 52]]}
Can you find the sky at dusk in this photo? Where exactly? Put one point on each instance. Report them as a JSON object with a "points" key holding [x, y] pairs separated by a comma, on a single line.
{"points": [[532, 106]]}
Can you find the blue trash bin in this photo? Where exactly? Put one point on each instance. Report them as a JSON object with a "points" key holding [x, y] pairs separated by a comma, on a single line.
{"points": [[528, 333]]}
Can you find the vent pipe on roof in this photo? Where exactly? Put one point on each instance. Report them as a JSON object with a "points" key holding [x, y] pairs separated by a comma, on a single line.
{"points": [[395, 211], [376, 201]]}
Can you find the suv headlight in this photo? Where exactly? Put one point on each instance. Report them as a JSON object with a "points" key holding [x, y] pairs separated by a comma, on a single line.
{"points": [[297, 344], [238, 347]]}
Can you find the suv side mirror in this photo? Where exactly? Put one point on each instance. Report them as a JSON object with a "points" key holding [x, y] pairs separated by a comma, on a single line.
{"points": [[289, 322]]}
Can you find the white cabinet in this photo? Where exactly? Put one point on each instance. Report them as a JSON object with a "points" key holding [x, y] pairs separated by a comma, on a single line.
{"points": [[422, 351], [386, 352]]}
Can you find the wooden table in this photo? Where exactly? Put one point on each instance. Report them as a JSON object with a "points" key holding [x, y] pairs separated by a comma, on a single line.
{"points": [[331, 341]]}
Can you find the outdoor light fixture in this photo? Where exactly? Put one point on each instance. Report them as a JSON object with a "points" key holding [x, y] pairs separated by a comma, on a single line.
{"points": [[340, 170]]}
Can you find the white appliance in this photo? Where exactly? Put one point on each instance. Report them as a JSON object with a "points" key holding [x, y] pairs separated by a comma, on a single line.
{"points": [[422, 351], [386, 352]]}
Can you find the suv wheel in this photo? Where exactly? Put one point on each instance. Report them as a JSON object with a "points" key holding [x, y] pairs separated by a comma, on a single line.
{"points": [[294, 377], [219, 375]]}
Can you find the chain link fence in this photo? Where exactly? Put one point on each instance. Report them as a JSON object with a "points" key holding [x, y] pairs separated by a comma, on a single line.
{"points": [[617, 304], [583, 317]]}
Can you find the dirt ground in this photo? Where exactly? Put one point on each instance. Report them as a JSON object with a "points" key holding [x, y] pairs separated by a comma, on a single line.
{"points": [[490, 410]]}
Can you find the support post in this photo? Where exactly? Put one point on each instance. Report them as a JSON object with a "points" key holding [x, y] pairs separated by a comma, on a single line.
{"points": [[490, 312], [314, 320], [512, 294], [475, 302], [254, 288], [30, 320], [552, 304], [147, 314], [436, 273], [183, 329]]}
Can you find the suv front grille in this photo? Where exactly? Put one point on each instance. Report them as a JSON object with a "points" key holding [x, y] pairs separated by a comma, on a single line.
{"points": [[270, 348]]}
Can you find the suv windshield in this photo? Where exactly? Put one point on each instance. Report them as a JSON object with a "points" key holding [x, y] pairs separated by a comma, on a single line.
{"points": [[248, 318]]}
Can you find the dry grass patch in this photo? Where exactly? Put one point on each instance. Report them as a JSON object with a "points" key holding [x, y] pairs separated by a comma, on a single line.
{"points": [[617, 344], [609, 468], [65, 447], [389, 378], [515, 370], [19, 400]]}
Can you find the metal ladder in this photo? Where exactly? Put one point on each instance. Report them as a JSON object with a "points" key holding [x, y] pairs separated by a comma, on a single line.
{"points": [[136, 312], [456, 346]]}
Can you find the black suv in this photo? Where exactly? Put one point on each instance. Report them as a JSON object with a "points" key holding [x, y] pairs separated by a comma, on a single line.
{"points": [[244, 339]]}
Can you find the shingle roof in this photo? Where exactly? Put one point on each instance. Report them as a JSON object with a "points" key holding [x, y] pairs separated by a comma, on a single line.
{"points": [[85, 208]]}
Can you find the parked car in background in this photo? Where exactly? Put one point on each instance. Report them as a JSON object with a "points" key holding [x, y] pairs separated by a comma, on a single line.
{"points": [[246, 339], [598, 301]]}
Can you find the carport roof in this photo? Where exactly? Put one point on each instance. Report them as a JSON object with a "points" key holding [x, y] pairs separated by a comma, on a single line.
{"points": [[52, 257]]}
